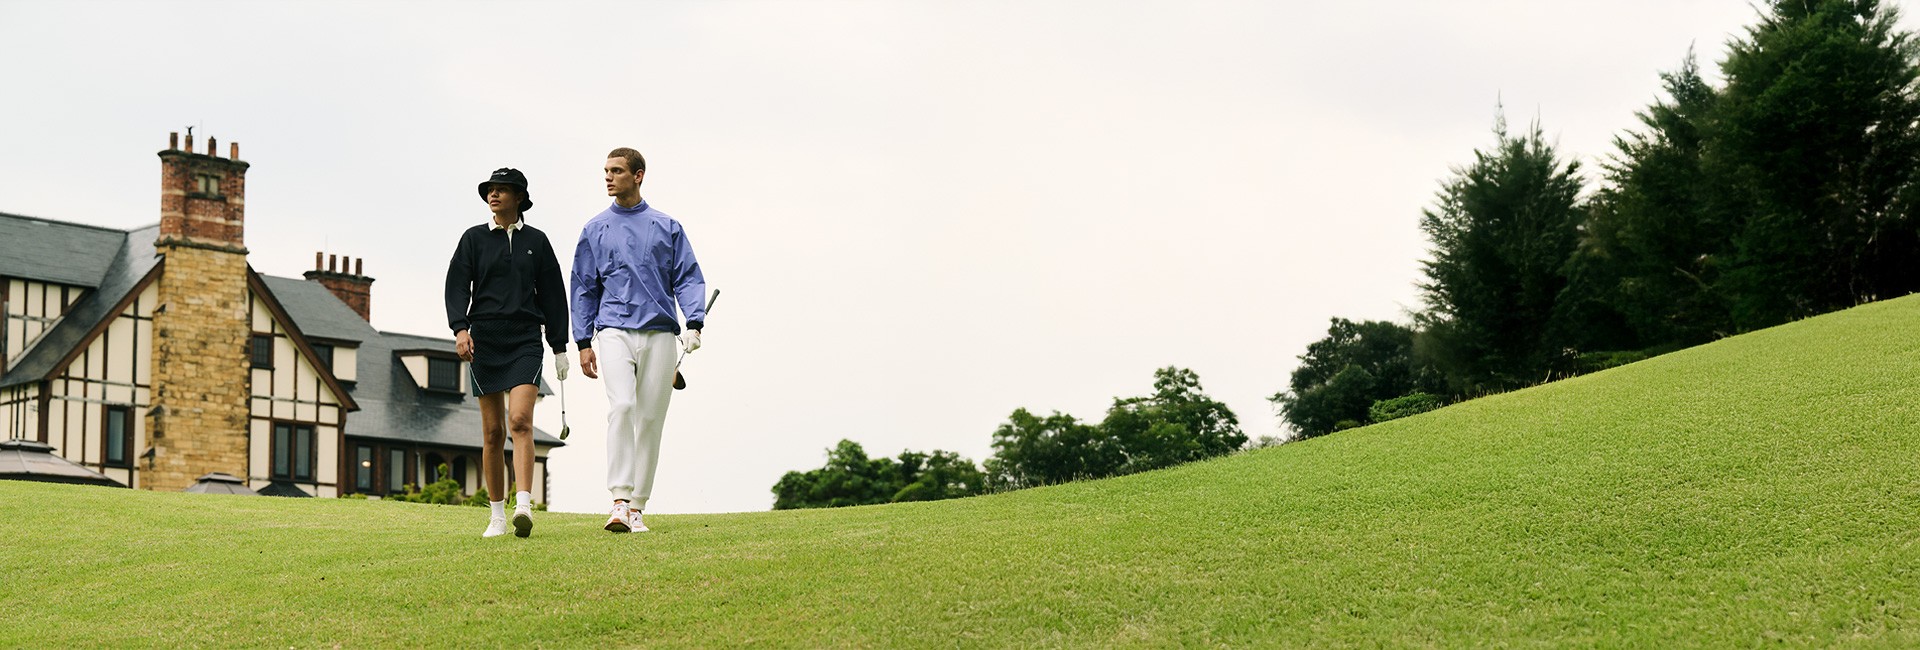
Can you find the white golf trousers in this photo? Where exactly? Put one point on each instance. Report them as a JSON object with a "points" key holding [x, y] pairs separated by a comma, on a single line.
{"points": [[637, 366]]}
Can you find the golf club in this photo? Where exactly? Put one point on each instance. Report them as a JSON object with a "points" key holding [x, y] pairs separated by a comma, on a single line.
{"points": [[680, 381], [564, 429]]}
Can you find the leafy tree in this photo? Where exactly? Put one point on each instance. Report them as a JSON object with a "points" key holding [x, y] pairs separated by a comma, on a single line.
{"points": [[1815, 132], [1176, 424], [1030, 451], [850, 478], [1502, 232], [1343, 374], [939, 475]]}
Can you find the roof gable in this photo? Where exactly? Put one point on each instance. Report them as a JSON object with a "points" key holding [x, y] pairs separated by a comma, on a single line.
{"points": [[299, 339], [131, 269]]}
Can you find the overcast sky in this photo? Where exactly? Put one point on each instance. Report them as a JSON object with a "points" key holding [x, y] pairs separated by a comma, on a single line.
{"points": [[922, 215]]}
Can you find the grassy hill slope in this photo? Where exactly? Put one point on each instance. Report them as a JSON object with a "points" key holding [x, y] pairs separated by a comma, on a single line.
{"points": [[1762, 489]]}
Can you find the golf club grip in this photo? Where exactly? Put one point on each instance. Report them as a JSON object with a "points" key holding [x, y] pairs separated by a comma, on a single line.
{"points": [[679, 380]]}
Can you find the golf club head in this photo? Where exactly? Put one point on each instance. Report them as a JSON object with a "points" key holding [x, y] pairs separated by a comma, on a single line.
{"points": [[564, 430], [679, 381]]}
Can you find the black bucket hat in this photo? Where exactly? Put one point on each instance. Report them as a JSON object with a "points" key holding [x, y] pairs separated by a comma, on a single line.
{"points": [[510, 176]]}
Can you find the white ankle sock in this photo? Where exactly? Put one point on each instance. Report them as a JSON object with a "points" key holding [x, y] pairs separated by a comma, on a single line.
{"points": [[499, 509], [523, 499]]}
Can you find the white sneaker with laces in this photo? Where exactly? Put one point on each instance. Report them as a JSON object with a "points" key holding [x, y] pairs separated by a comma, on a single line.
{"points": [[633, 522], [522, 521], [618, 520], [496, 526]]}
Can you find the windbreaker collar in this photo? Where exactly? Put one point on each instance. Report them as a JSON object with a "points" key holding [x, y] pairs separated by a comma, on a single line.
{"points": [[636, 209]]}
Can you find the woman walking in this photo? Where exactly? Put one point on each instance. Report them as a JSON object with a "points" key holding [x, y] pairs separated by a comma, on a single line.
{"points": [[503, 287]]}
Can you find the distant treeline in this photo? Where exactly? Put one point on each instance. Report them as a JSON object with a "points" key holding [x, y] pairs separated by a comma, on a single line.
{"points": [[1176, 424], [1787, 191]]}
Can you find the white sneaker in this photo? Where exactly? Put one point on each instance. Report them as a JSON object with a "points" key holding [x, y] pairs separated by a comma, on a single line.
{"points": [[633, 522], [619, 520], [496, 526], [522, 521]]}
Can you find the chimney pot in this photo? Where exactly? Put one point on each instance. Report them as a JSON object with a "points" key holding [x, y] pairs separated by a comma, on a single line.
{"points": [[360, 266], [189, 148], [213, 147], [233, 150], [173, 141], [317, 256], [332, 260]]}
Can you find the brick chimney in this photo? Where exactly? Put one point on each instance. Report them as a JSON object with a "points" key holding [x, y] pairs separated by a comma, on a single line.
{"points": [[201, 327], [203, 196], [347, 281]]}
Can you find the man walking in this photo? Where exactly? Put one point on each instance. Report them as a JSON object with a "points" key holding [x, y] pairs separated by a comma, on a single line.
{"points": [[632, 265]]}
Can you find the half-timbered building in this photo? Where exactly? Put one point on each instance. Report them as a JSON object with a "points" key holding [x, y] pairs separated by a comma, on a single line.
{"points": [[158, 355]]}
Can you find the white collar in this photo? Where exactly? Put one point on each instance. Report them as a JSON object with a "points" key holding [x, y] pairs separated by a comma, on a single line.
{"points": [[495, 225]]}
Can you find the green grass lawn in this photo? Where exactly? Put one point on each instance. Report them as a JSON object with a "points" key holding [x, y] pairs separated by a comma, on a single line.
{"points": [[1762, 490]]}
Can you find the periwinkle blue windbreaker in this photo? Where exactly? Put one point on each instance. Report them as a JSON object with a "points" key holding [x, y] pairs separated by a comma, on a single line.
{"points": [[631, 266]]}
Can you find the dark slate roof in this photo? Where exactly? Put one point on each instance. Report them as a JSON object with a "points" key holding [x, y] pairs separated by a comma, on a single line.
{"points": [[392, 407], [133, 256], [55, 251], [317, 312]]}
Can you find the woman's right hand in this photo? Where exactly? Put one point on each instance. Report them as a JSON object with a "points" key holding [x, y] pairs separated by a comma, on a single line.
{"points": [[463, 345]]}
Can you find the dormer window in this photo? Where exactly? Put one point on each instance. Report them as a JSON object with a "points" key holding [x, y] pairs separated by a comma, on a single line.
{"points": [[443, 374], [435, 371], [324, 352]]}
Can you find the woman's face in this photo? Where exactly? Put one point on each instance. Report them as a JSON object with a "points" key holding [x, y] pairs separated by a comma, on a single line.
{"points": [[503, 199]]}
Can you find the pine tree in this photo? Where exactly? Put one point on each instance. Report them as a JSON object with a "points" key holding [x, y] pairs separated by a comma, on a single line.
{"points": [[1816, 137], [1502, 233], [1654, 239]]}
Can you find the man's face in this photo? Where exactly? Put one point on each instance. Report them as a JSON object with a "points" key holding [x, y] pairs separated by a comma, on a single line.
{"points": [[503, 198], [620, 178]]}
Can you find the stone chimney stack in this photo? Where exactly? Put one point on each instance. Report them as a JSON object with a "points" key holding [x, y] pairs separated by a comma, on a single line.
{"points": [[202, 328], [346, 278]]}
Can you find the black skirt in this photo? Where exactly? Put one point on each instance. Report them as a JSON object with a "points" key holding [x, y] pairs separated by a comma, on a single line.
{"points": [[506, 353]]}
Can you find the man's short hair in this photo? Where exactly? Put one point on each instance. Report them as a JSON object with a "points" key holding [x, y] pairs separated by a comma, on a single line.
{"points": [[635, 163]]}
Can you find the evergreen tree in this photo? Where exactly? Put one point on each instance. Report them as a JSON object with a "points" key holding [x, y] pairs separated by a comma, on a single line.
{"points": [[1816, 135], [1654, 239], [1502, 233]]}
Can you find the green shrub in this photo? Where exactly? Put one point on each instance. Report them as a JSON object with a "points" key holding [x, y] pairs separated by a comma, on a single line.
{"points": [[1403, 406], [1588, 362]]}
